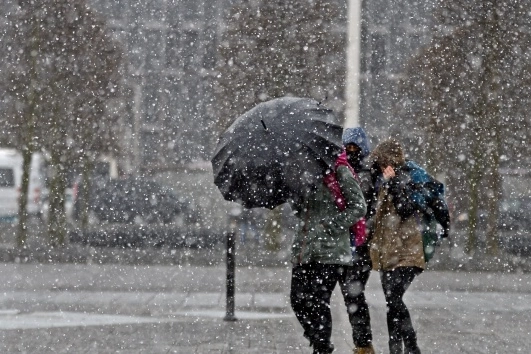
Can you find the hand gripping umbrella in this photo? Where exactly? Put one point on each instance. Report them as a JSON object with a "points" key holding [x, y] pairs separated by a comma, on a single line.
{"points": [[276, 151]]}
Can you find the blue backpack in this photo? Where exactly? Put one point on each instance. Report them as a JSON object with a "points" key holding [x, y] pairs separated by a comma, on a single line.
{"points": [[429, 196]]}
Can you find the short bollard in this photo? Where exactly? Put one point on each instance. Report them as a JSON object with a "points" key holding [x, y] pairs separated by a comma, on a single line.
{"points": [[229, 316]]}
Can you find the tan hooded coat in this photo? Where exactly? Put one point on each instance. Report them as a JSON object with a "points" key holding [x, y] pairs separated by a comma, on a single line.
{"points": [[395, 242]]}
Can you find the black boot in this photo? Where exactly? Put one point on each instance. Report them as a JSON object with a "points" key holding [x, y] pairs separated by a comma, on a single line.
{"points": [[411, 349], [323, 348], [395, 347], [410, 343]]}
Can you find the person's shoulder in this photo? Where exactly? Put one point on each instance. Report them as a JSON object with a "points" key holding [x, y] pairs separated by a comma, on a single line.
{"points": [[418, 174], [343, 170], [413, 166], [344, 175]]}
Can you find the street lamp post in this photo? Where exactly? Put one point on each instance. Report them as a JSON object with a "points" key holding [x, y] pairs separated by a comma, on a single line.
{"points": [[353, 63]]}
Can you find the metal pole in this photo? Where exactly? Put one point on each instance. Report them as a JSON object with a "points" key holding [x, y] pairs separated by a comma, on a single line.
{"points": [[230, 276], [353, 64]]}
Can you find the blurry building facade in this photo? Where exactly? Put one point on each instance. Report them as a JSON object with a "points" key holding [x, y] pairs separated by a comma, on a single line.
{"points": [[171, 46], [392, 32], [170, 56]]}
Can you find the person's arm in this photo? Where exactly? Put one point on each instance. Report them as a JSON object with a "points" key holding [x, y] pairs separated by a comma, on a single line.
{"points": [[439, 208], [356, 206], [402, 189], [376, 184], [367, 187], [442, 215]]}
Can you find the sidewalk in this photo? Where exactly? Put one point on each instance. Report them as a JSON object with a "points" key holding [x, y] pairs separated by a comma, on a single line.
{"points": [[79, 308], [156, 300], [144, 309]]}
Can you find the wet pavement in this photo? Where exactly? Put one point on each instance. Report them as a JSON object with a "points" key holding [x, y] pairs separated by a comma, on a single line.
{"points": [[113, 308], [80, 299]]}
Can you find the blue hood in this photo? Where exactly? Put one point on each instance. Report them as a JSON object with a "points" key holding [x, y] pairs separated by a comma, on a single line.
{"points": [[358, 137]]}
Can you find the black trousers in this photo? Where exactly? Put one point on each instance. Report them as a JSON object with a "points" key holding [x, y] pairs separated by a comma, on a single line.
{"points": [[401, 331], [352, 286], [311, 288]]}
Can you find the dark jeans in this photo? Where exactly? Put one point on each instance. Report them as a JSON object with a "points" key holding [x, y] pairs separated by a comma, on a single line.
{"points": [[311, 288], [352, 286], [394, 284]]}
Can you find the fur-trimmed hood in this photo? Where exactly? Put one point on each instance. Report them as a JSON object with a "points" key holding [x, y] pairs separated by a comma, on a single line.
{"points": [[388, 153]]}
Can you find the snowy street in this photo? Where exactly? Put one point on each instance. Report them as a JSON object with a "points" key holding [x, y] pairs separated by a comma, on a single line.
{"points": [[179, 309], [151, 148]]}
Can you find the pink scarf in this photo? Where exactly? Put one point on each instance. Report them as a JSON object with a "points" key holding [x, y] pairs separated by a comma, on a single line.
{"points": [[358, 231]]}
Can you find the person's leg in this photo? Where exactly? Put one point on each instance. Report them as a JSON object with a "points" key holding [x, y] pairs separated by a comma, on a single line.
{"points": [[311, 290], [392, 295], [301, 296], [409, 336], [353, 290], [394, 284], [325, 280]]}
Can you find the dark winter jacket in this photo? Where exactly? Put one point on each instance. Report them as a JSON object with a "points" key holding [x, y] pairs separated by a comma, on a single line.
{"points": [[323, 233], [358, 137]]}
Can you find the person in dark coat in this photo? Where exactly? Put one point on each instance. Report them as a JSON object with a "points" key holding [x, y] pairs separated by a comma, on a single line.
{"points": [[355, 279], [321, 251]]}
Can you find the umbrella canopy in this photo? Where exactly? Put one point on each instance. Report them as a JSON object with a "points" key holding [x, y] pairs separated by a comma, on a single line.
{"points": [[276, 151]]}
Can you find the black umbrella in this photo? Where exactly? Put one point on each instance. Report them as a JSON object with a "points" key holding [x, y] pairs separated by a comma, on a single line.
{"points": [[276, 151]]}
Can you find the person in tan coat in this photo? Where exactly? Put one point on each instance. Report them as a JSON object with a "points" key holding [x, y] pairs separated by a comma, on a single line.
{"points": [[396, 246]]}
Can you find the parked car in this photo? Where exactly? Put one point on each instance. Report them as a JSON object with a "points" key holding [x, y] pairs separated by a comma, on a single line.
{"points": [[11, 182], [136, 212], [515, 214], [135, 200], [515, 225]]}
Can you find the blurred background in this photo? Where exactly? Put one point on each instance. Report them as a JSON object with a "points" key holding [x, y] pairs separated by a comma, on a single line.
{"points": [[111, 110]]}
